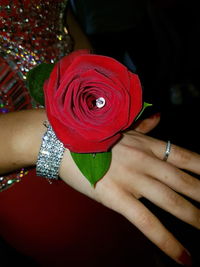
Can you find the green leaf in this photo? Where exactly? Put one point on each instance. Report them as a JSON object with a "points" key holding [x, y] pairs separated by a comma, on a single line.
{"points": [[92, 166], [35, 81], [145, 105]]}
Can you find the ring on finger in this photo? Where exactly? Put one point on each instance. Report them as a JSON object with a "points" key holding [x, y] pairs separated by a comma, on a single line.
{"points": [[167, 151]]}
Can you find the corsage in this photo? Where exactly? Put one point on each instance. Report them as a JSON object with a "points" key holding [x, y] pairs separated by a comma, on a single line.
{"points": [[90, 100]]}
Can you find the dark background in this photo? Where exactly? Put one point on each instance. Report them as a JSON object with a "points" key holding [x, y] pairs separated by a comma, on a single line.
{"points": [[161, 39]]}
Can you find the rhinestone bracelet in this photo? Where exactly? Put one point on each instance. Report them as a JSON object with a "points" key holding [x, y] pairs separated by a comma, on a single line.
{"points": [[50, 154]]}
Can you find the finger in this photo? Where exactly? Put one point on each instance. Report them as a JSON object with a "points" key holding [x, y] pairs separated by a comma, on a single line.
{"points": [[148, 124], [151, 227], [180, 157], [169, 200], [175, 178]]}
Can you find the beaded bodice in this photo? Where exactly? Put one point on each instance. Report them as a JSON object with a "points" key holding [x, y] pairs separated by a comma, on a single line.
{"points": [[31, 32]]}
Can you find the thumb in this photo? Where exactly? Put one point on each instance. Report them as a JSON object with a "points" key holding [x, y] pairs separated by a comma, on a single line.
{"points": [[148, 124]]}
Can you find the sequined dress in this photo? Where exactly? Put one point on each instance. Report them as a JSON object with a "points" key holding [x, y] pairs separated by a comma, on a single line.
{"points": [[31, 32]]}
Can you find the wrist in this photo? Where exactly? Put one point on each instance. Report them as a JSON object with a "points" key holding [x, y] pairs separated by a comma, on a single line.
{"points": [[50, 154], [33, 132]]}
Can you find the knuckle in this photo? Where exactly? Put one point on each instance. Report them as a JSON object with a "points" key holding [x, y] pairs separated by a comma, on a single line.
{"points": [[182, 155], [174, 200], [187, 181], [165, 243], [139, 155], [134, 153], [194, 218], [145, 221]]}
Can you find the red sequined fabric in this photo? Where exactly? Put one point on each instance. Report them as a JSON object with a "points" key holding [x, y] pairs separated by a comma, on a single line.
{"points": [[31, 32]]}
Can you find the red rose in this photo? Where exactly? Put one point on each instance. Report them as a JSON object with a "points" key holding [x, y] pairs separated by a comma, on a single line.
{"points": [[90, 99]]}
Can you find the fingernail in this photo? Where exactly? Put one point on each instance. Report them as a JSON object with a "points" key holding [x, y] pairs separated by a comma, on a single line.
{"points": [[155, 115], [185, 258]]}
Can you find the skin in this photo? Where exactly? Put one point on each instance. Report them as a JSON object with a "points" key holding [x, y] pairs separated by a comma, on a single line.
{"points": [[137, 170]]}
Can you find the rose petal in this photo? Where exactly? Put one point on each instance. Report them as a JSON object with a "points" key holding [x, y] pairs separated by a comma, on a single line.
{"points": [[75, 84]]}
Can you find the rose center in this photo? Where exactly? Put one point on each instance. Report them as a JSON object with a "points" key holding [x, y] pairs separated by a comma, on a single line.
{"points": [[100, 102]]}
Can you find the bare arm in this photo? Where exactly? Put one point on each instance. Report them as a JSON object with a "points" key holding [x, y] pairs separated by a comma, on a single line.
{"points": [[20, 138]]}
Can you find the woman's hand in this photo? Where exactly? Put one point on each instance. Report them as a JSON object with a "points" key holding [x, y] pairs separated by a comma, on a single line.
{"points": [[137, 170]]}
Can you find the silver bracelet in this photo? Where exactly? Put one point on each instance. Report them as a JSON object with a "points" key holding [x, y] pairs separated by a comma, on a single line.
{"points": [[50, 155]]}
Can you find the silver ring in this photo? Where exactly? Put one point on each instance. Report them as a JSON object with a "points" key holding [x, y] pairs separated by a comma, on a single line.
{"points": [[167, 151]]}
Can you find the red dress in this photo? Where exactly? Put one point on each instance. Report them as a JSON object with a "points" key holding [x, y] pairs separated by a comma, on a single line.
{"points": [[52, 223]]}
